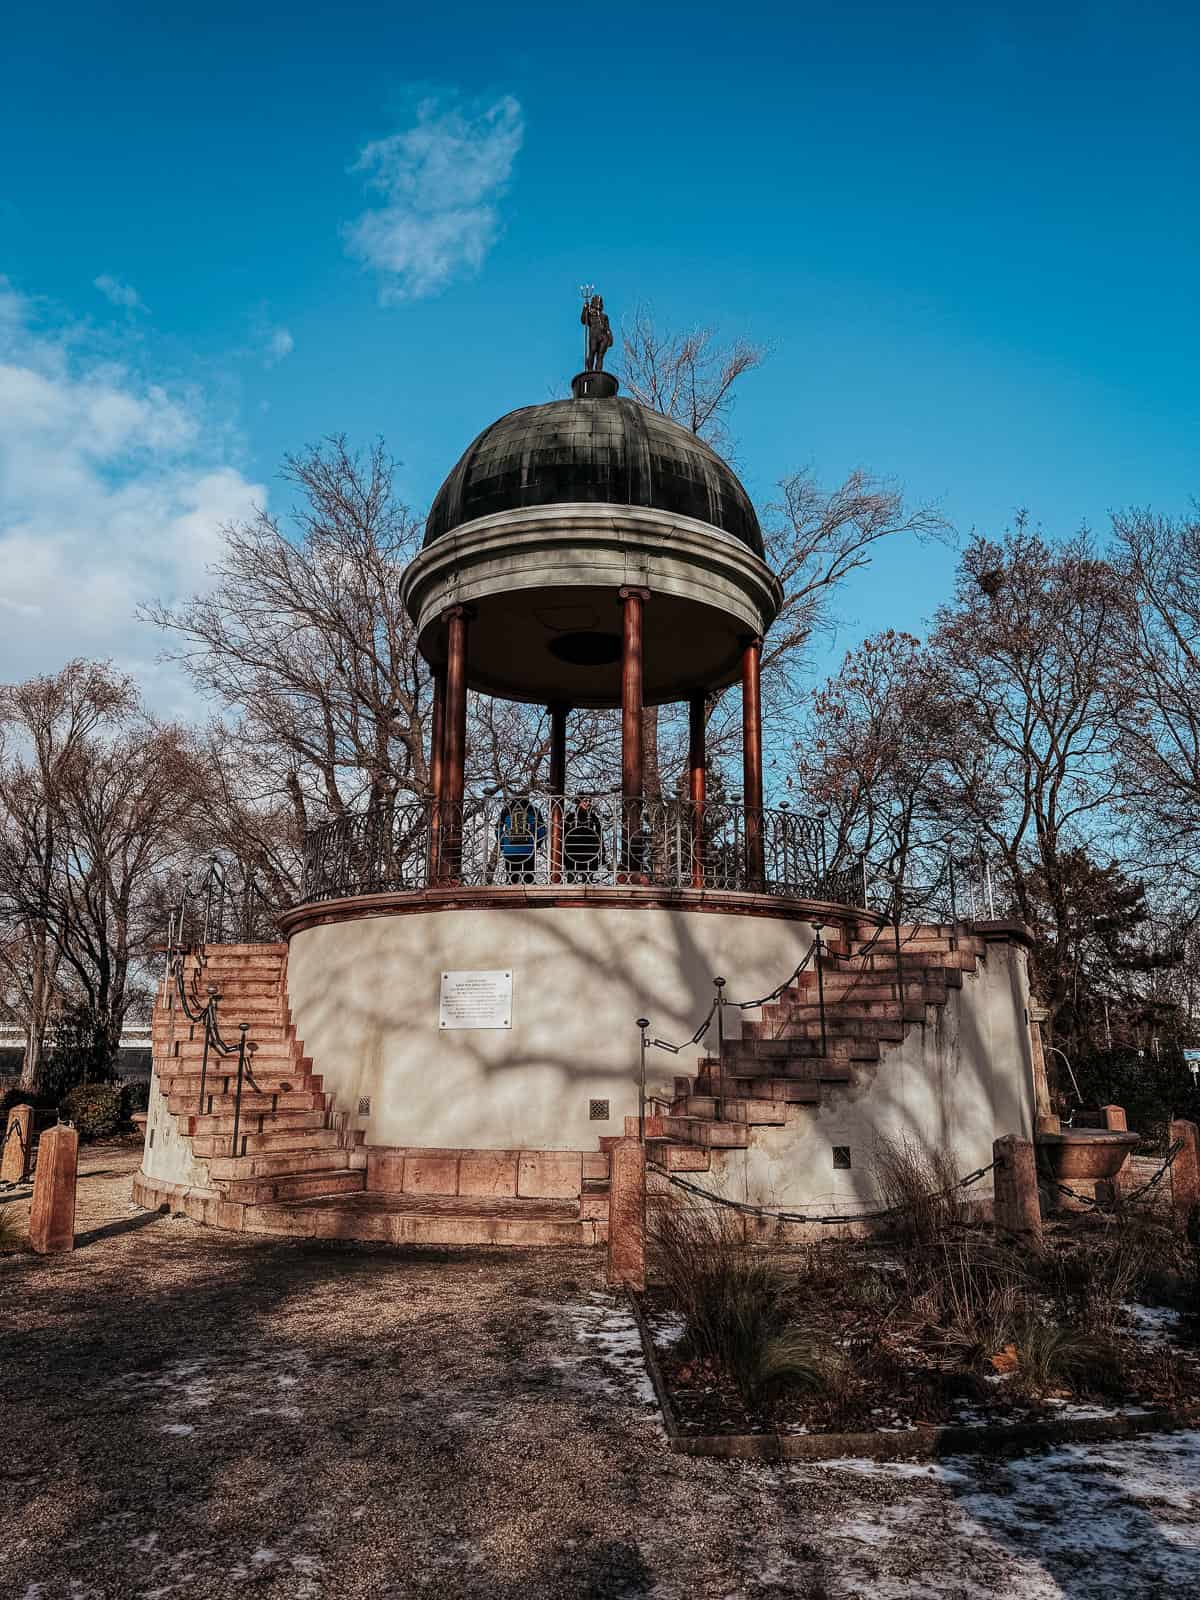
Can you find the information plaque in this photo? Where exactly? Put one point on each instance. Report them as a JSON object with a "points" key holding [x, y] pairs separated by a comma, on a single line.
{"points": [[476, 1000]]}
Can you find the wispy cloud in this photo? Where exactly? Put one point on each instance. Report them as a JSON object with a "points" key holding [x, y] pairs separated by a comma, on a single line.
{"points": [[279, 343], [115, 490], [120, 293], [441, 180]]}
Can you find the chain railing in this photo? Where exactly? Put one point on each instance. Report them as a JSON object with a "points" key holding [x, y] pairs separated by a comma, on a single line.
{"points": [[516, 841], [826, 1219]]}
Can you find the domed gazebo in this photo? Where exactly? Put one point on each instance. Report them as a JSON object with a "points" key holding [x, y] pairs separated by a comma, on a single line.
{"points": [[454, 1007]]}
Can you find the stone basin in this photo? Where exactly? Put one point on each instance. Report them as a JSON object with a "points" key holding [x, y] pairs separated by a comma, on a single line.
{"points": [[1084, 1155]]}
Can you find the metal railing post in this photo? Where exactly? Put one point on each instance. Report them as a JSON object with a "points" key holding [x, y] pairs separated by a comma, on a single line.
{"points": [[243, 1028], [208, 1019], [643, 1023], [953, 896], [719, 985]]}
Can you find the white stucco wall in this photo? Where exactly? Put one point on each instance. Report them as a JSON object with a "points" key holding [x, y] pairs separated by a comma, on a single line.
{"points": [[167, 1154], [364, 996]]}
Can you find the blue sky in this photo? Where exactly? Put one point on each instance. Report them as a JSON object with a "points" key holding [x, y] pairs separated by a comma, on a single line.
{"points": [[969, 234]]}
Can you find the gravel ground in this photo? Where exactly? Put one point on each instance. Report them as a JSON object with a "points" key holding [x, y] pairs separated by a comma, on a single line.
{"points": [[189, 1413]]}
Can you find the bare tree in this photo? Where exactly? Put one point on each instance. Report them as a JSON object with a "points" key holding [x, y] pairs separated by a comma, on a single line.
{"points": [[308, 644], [96, 801], [1036, 696], [45, 723], [1160, 654], [815, 539], [689, 376]]}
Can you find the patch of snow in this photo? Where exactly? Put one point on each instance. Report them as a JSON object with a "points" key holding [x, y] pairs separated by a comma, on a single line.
{"points": [[609, 1359], [1152, 1324]]}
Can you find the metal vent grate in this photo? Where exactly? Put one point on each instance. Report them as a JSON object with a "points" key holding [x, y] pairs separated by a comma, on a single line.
{"points": [[598, 1111], [841, 1156], [364, 1107]]}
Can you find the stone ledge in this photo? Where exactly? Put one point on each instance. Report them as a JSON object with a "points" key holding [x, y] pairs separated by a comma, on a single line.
{"points": [[512, 897]]}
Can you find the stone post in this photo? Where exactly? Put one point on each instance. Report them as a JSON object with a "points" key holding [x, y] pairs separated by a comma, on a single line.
{"points": [[1115, 1121], [1016, 1208], [1041, 1085], [627, 1215], [14, 1163], [1185, 1172], [52, 1220]]}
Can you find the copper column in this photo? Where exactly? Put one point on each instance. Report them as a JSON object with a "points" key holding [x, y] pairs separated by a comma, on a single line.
{"points": [[752, 779], [558, 787], [632, 774], [437, 765], [454, 740], [696, 772]]}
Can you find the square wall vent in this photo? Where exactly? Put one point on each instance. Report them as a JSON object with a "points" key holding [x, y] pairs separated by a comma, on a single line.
{"points": [[598, 1111], [841, 1157], [364, 1107]]}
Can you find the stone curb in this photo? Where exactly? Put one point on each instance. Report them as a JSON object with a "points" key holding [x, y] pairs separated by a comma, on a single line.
{"points": [[912, 1444]]}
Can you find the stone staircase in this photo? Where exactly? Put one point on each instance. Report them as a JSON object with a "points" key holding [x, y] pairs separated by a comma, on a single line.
{"points": [[291, 1143], [297, 1168], [872, 998]]}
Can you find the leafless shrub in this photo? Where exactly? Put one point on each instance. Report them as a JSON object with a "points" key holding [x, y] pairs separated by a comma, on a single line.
{"points": [[918, 1183], [733, 1302]]}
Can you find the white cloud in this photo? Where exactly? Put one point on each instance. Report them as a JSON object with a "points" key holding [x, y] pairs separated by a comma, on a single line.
{"points": [[121, 294], [279, 343], [441, 180], [112, 492]]}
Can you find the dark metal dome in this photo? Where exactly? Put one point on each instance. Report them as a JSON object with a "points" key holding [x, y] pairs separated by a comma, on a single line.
{"points": [[611, 451]]}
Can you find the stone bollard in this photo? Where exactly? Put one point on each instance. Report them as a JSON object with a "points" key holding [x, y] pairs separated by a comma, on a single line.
{"points": [[1015, 1206], [1111, 1189], [52, 1219], [14, 1163], [627, 1215], [1185, 1173]]}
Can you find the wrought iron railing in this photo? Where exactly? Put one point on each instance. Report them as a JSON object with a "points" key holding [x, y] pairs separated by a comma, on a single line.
{"points": [[219, 906], [516, 841]]}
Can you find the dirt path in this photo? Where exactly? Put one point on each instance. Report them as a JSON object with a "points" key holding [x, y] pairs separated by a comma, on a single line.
{"points": [[193, 1414]]}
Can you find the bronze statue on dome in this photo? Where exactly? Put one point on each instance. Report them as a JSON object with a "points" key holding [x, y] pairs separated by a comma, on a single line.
{"points": [[599, 331]]}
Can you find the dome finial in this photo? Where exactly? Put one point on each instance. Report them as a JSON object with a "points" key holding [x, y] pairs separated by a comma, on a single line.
{"points": [[593, 383]]}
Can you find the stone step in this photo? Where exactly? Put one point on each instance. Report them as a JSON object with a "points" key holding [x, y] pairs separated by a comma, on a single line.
{"points": [[882, 958], [267, 1051], [253, 1122], [297, 1186], [853, 1048], [425, 1220], [224, 1081], [836, 1027], [186, 1105], [711, 1135], [867, 986], [217, 952], [678, 1157], [733, 1108], [845, 1011], [804, 1069], [222, 1168], [205, 1145], [848, 1010], [789, 1091]]}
